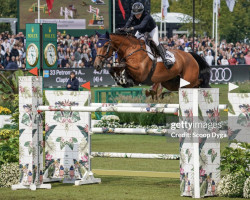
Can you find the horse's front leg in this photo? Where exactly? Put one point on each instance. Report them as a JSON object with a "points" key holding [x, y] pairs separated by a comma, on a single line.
{"points": [[121, 76]]}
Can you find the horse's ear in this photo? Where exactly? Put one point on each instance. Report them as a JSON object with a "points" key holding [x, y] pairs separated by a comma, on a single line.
{"points": [[97, 33], [107, 34]]}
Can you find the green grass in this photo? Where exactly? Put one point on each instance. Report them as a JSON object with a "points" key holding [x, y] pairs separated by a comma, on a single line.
{"points": [[121, 187], [111, 188], [137, 144]]}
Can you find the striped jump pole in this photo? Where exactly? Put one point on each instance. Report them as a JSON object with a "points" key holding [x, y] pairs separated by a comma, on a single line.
{"points": [[139, 131], [108, 109], [144, 105], [136, 155]]}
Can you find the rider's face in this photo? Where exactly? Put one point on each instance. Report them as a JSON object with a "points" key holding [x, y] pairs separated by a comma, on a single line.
{"points": [[138, 16]]}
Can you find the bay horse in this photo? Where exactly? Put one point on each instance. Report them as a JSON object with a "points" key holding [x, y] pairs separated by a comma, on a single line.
{"points": [[141, 69]]}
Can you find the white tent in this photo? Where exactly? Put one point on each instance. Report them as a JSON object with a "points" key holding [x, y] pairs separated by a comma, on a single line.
{"points": [[173, 17]]}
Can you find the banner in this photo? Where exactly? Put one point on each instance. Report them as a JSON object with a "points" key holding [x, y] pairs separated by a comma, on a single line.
{"points": [[69, 15], [59, 77], [230, 73]]}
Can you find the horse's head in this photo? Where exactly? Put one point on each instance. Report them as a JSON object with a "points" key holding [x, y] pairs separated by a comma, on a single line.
{"points": [[103, 50]]}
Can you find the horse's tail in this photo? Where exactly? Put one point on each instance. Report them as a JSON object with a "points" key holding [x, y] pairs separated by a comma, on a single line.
{"points": [[204, 70]]}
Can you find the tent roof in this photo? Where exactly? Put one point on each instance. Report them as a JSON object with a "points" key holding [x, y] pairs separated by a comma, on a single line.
{"points": [[173, 17]]}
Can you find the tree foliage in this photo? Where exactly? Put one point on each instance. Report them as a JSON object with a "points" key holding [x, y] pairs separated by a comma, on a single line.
{"points": [[233, 26], [8, 8]]}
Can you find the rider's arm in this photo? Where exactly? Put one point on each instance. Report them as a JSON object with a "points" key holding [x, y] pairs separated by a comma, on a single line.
{"points": [[142, 24], [129, 21]]}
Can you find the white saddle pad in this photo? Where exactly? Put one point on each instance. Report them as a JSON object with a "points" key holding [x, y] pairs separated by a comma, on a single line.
{"points": [[169, 55]]}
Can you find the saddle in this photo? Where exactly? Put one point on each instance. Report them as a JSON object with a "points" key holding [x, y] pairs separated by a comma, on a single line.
{"points": [[150, 44]]}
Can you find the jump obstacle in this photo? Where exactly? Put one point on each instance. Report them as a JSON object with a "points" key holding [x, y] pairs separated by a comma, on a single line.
{"points": [[68, 137], [97, 20], [66, 13]]}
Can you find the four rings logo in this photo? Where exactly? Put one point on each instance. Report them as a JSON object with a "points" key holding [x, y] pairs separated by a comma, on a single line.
{"points": [[220, 74]]}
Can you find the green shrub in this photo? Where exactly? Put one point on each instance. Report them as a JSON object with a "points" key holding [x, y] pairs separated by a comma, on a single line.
{"points": [[9, 150], [231, 185], [246, 189], [145, 119], [9, 174], [236, 160]]}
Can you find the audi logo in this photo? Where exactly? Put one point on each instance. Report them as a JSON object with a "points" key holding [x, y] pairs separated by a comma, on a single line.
{"points": [[220, 74]]}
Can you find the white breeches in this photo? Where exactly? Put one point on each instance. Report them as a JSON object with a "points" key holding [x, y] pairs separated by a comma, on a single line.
{"points": [[153, 34]]}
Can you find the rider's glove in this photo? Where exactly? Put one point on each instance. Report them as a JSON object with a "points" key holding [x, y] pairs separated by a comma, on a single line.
{"points": [[119, 29], [128, 30]]}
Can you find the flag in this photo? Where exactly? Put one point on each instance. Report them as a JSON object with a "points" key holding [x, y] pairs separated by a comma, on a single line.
{"points": [[230, 4], [121, 9], [49, 5], [216, 2], [217, 11], [164, 10]]}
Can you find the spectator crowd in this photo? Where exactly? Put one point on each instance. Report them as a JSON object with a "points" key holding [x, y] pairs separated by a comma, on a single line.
{"points": [[81, 52]]}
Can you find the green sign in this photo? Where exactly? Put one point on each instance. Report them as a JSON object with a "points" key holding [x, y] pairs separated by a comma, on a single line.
{"points": [[49, 46], [33, 56]]}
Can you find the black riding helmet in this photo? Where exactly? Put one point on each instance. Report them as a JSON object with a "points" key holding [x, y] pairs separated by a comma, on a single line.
{"points": [[137, 8]]}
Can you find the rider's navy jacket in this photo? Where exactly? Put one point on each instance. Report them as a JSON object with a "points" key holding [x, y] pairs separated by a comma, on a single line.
{"points": [[74, 84], [145, 24]]}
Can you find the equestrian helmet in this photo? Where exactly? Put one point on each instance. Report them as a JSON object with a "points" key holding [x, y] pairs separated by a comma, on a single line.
{"points": [[137, 8]]}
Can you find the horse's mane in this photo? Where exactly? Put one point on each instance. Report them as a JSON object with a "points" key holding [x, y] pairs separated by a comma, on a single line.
{"points": [[124, 34]]}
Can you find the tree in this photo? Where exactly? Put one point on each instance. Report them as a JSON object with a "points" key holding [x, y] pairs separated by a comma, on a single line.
{"points": [[233, 26], [8, 8]]}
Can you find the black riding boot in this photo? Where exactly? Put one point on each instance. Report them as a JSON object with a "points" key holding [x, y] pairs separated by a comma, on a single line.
{"points": [[168, 64]]}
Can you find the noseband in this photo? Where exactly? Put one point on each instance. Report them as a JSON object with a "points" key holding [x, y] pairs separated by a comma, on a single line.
{"points": [[107, 51]]}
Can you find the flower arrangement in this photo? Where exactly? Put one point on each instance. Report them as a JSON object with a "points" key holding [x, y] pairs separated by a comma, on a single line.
{"points": [[246, 189], [231, 185], [112, 121], [4, 111], [110, 118], [9, 174], [7, 133]]}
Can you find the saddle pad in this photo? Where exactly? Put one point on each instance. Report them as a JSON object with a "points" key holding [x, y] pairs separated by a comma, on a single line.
{"points": [[169, 55], [150, 55]]}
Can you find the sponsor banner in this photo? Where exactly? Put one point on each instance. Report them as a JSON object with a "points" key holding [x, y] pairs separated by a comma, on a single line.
{"points": [[59, 77], [232, 73], [66, 23]]}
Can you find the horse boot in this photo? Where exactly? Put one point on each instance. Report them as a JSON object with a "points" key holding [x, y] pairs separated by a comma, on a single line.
{"points": [[168, 64]]}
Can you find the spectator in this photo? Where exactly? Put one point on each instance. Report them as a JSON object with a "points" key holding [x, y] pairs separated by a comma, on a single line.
{"points": [[72, 62], [14, 51], [6, 61], [78, 55], [6, 44], [18, 62], [224, 61], [61, 55], [241, 60], [65, 61], [209, 58], [247, 58], [231, 60], [73, 83], [12, 64], [23, 66], [7, 53], [13, 59]]}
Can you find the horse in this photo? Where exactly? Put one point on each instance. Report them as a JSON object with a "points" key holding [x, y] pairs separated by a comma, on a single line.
{"points": [[138, 68]]}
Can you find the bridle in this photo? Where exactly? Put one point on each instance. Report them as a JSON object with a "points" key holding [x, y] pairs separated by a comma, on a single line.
{"points": [[105, 57]]}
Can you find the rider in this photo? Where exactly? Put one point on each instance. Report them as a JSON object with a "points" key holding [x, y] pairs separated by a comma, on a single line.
{"points": [[142, 22]]}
